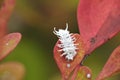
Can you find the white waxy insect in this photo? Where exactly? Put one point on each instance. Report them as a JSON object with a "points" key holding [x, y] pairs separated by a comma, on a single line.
{"points": [[67, 45]]}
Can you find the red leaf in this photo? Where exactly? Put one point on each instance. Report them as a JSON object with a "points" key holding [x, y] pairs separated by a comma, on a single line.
{"points": [[11, 71], [99, 20], [82, 73], [112, 66], [5, 13], [62, 62], [8, 43]]}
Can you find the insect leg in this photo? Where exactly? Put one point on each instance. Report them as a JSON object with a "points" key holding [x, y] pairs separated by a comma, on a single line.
{"points": [[60, 45], [63, 54]]}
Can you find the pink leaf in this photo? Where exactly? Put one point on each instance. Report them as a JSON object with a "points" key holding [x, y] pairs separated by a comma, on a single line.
{"points": [[82, 73], [5, 13], [67, 67], [112, 66], [8, 43], [98, 20]]}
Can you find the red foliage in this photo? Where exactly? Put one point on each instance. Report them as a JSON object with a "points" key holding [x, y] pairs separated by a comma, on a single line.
{"points": [[7, 42], [5, 13], [112, 66], [62, 62], [98, 20], [10, 70]]}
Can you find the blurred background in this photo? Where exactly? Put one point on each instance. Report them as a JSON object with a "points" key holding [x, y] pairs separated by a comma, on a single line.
{"points": [[35, 20]]}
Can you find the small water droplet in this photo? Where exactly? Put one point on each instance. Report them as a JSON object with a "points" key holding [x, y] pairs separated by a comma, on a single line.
{"points": [[68, 65], [88, 75], [7, 44]]}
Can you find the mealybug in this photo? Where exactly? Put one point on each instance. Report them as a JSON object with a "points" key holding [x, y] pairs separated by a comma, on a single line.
{"points": [[67, 43]]}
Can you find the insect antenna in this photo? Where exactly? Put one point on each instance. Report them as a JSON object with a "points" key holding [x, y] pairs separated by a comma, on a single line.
{"points": [[55, 32], [66, 26]]}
